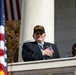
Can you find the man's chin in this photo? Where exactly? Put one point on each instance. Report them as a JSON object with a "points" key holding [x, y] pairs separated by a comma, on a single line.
{"points": [[39, 41]]}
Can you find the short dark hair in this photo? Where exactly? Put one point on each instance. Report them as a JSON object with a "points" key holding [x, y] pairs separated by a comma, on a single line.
{"points": [[74, 49]]}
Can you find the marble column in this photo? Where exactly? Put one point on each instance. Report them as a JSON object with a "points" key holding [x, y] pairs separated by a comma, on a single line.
{"points": [[36, 12]]}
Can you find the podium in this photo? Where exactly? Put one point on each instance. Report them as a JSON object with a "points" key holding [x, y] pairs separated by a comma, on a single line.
{"points": [[60, 66]]}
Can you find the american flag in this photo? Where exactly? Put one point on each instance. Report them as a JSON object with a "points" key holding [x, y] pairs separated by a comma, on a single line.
{"points": [[12, 9], [3, 56]]}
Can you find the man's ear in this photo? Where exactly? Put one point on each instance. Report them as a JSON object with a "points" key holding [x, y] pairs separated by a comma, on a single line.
{"points": [[45, 34], [33, 35]]}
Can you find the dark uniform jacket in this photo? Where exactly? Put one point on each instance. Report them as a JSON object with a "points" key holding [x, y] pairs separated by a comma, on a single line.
{"points": [[31, 51]]}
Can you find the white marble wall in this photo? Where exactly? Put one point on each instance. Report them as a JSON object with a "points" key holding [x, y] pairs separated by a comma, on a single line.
{"points": [[65, 25], [44, 67]]}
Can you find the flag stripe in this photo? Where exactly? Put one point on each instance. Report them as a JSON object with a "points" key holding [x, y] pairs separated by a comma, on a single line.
{"points": [[2, 29], [2, 60], [3, 55], [1, 44], [18, 9], [20, 4], [6, 13], [15, 10], [2, 37], [1, 52], [12, 9]]}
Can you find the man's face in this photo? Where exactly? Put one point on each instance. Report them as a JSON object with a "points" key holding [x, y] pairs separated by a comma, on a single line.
{"points": [[39, 36]]}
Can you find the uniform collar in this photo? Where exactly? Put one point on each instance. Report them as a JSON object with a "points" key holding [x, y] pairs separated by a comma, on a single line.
{"points": [[40, 43]]}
